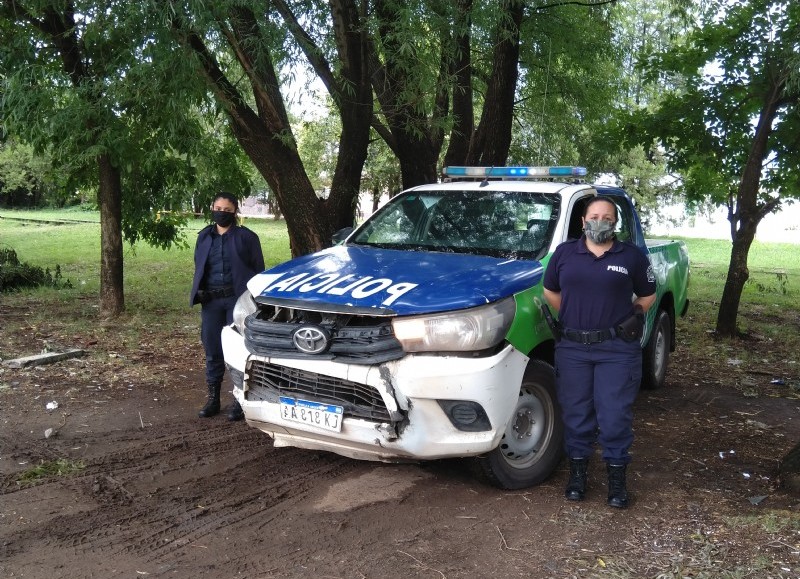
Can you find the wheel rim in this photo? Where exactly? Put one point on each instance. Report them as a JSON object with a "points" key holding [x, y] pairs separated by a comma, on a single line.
{"points": [[528, 431], [659, 351]]}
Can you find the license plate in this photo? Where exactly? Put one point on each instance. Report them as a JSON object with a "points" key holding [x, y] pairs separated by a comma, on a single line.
{"points": [[326, 416]]}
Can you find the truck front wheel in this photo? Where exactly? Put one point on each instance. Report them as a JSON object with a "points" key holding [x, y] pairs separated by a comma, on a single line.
{"points": [[656, 353], [532, 444]]}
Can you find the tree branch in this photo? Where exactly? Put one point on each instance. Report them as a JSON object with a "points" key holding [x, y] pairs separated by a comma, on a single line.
{"points": [[574, 3], [245, 32], [60, 28], [222, 87], [313, 53]]}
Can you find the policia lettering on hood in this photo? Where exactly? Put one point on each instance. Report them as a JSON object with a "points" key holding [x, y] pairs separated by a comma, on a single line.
{"points": [[339, 285]]}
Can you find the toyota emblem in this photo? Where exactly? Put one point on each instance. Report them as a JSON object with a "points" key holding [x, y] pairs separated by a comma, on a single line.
{"points": [[311, 339]]}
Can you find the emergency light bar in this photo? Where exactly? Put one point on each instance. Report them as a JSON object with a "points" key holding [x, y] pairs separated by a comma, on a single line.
{"points": [[514, 172]]}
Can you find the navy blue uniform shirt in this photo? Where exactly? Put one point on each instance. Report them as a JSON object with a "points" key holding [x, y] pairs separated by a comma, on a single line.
{"points": [[597, 292], [218, 268]]}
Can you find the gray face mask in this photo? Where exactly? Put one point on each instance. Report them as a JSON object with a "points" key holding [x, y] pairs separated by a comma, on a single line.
{"points": [[598, 230]]}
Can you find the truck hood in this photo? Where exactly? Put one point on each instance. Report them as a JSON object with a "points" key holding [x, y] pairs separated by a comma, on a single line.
{"points": [[389, 282]]}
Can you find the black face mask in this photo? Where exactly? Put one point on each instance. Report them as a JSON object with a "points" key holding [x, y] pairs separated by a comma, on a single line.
{"points": [[223, 218]]}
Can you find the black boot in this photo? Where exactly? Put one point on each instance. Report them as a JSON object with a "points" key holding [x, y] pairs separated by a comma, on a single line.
{"points": [[576, 486], [235, 411], [617, 493], [212, 404]]}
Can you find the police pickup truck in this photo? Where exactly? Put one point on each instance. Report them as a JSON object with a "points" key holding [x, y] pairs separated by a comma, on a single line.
{"points": [[421, 336]]}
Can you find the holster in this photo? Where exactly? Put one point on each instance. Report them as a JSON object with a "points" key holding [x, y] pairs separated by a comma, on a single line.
{"points": [[632, 328], [203, 297], [552, 323]]}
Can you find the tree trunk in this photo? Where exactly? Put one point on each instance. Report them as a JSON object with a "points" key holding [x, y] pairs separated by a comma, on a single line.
{"points": [[355, 109], [342, 203], [281, 167], [493, 137], [738, 274], [264, 131], [60, 27], [412, 139], [265, 136], [463, 111], [747, 214], [109, 197]]}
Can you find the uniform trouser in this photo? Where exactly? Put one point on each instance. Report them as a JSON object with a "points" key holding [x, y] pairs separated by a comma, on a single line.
{"points": [[597, 385], [215, 315]]}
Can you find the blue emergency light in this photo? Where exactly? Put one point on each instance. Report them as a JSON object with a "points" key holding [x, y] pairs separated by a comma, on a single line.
{"points": [[514, 172]]}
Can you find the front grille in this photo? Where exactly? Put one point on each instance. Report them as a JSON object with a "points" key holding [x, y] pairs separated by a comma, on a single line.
{"points": [[267, 381], [353, 339]]}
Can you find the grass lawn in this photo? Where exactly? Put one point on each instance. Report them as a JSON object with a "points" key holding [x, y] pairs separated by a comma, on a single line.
{"points": [[155, 279]]}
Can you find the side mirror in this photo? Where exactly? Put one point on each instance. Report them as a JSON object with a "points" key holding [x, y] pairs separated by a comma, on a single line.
{"points": [[341, 235]]}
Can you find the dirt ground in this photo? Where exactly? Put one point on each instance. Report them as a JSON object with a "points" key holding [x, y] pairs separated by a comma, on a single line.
{"points": [[162, 493]]}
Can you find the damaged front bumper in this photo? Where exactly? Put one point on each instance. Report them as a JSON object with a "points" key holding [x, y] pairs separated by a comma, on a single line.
{"points": [[419, 407]]}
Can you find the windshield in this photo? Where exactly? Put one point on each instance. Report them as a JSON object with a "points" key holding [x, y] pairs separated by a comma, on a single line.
{"points": [[510, 224]]}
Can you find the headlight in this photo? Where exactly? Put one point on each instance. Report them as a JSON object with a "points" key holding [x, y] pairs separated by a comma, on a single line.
{"points": [[462, 331], [245, 306]]}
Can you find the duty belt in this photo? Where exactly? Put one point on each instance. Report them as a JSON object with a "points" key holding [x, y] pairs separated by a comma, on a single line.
{"points": [[222, 292], [588, 336]]}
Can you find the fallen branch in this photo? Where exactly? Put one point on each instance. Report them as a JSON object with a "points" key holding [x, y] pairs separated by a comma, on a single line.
{"points": [[39, 359], [421, 564]]}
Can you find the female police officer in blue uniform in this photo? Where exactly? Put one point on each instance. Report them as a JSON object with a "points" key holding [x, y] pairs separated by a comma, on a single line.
{"points": [[226, 256], [598, 360]]}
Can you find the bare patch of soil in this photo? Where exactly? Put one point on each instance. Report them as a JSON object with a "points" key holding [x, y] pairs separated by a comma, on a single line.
{"points": [[162, 493]]}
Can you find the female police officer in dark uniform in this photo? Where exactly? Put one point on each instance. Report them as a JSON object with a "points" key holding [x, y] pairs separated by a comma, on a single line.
{"points": [[591, 281], [226, 256]]}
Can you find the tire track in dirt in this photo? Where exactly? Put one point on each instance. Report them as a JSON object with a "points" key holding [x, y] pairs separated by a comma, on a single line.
{"points": [[174, 490], [259, 499], [134, 448], [169, 487]]}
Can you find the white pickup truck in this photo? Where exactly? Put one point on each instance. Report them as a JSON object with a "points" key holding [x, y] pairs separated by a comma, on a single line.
{"points": [[420, 336]]}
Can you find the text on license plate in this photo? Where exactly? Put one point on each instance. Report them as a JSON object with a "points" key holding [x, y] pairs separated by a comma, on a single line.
{"points": [[325, 416]]}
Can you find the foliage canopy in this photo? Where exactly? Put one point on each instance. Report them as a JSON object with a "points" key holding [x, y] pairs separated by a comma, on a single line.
{"points": [[731, 123]]}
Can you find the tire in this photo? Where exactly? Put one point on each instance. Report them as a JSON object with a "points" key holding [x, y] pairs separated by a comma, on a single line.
{"points": [[532, 444], [655, 356]]}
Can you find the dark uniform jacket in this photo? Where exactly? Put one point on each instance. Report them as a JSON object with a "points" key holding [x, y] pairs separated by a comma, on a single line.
{"points": [[246, 258]]}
